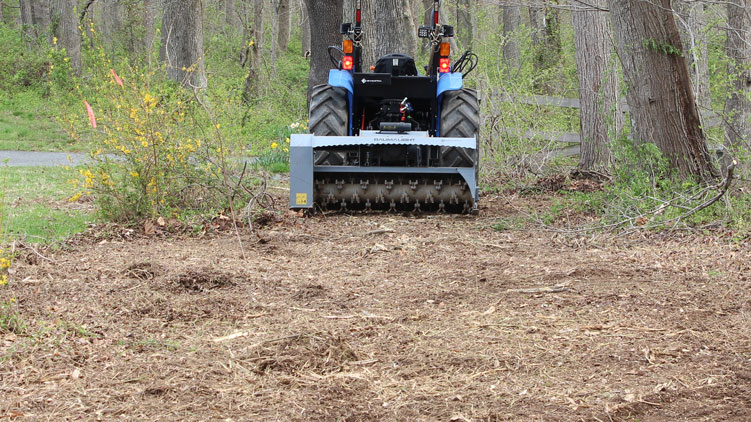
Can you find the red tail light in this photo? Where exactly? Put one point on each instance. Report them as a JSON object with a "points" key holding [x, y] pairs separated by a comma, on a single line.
{"points": [[348, 63], [444, 66]]}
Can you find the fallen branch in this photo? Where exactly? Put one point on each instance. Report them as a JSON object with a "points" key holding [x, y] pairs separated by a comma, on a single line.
{"points": [[548, 289]]}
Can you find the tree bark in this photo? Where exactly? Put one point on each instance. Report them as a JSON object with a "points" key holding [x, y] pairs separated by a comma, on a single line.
{"points": [[598, 86], [325, 18], [305, 29], [149, 20], [692, 27], [65, 12], [41, 15], [230, 13], [465, 29], [388, 28], [27, 19], [511, 44], [738, 47], [255, 33], [112, 21], [282, 26], [182, 42], [663, 109]]}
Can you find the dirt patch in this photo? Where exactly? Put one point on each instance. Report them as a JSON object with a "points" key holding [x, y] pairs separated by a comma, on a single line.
{"points": [[203, 280], [382, 317]]}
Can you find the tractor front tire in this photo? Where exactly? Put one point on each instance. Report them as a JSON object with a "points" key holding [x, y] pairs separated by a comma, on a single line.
{"points": [[329, 116], [460, 118]]}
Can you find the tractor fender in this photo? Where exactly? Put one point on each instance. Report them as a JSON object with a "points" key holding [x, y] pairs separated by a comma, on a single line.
{"points": [[342, 79], [450, 82]]}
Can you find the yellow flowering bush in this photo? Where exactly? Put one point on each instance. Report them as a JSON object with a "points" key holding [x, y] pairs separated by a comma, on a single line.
{"points": [[155, 149]]}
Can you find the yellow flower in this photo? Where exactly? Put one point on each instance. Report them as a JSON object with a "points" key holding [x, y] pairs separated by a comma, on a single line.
{"points": [[218, 125], [286, 140], [4, 263], [274, 145], [145, 144], [54, 40], [134, 173], [3, 279]]}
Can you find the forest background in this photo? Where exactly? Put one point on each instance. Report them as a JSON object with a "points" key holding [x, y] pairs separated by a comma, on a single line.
{"points": [[164, 115]]}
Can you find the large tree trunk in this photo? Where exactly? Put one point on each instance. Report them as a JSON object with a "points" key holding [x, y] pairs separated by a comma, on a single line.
{"points": [[388, 28], [149, 21], [598, 86], [41, 15], [230, 13], [738, 105], [27, 19], [464, 29], [692, 25], [64, 12], [325, 18], [660, 95], [112, 21], [282, 26], [182, 42], [511, 44]]}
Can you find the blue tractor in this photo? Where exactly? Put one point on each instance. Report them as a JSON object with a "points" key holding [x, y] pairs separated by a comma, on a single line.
{"points": [[390, 138]]}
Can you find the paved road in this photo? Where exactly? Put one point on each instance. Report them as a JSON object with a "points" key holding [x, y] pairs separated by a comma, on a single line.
{"points": [[37, 159]]}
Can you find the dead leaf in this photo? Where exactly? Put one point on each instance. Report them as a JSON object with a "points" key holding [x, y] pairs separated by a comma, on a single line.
{"points": [[160, 221], [148, 228]]}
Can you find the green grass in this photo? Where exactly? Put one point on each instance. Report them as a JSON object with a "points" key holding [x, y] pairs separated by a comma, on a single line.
{"points": [[36, 206], [27, 124]]}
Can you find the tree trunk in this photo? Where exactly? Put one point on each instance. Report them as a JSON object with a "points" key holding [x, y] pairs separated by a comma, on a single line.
{"points": [[2, 15], [537, 25], [325, 18], [738, 47], [182, 42], [282, 26], [389, 28], [255, 34], [464, 30], [27, 19], [598, 86], [692, 24], [305, 30], [660, 96], [512, 52], [41, 15], [230, 13], [65, 13], [149, 20], [112, 21]]}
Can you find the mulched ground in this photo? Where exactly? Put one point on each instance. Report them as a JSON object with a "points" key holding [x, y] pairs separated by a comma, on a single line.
{"points": [[381, 318]]}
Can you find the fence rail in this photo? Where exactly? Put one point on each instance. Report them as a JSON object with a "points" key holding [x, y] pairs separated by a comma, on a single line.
{"points": [[573, 139]]}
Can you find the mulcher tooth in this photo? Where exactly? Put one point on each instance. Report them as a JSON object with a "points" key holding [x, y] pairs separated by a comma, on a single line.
{"points": [[355, 198], [380, 199], [405, 198], [441, 208], [392, 206], [340, 184], [343, 205], [417, 206], [368, 206]]}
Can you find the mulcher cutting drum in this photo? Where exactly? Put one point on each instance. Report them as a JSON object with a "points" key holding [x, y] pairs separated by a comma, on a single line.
{"points": [[391, 139]]}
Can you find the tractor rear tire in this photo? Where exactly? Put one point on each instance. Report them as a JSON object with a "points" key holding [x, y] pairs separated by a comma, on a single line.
{"points": [[460, 118], [329, 116]]}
